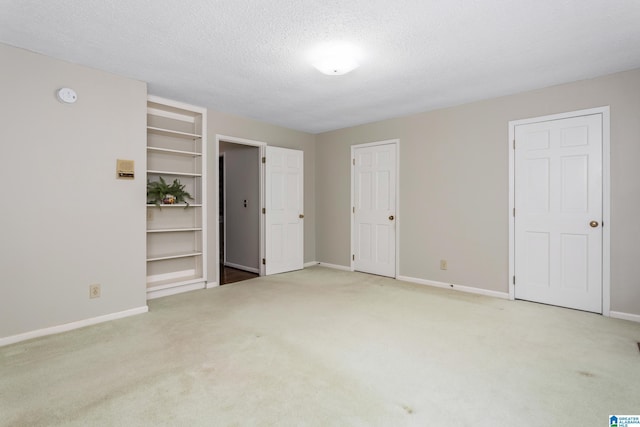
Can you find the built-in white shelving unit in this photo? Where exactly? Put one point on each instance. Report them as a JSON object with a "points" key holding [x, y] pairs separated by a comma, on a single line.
{"points": [[176, 233]]}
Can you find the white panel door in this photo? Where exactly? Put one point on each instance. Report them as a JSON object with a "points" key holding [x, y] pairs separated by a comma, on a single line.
{"points": [[374, 198], [558, 216], [284, 203]]}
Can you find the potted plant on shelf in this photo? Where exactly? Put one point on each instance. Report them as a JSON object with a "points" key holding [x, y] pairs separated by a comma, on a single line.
{"points": [[160, 193]]}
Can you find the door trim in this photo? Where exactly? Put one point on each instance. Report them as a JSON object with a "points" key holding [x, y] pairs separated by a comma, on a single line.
{"points": [[224, 206], [261, 146], [606, 197], [395, 142]]}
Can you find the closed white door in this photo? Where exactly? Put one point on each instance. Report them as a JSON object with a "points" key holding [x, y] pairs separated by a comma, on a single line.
{"points": [[558, 212], [284, 215], [374, 209]]}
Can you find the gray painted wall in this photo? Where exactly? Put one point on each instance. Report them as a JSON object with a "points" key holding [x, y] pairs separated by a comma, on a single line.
{"points": [[242, 182], [67, 221], [454, 182]]}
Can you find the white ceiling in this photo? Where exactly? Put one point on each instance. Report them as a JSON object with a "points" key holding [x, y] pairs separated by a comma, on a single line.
{"points": [[249, 57]]}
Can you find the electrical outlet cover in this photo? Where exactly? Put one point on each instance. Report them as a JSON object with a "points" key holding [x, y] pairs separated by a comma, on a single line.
{"points": [[94, 291]]}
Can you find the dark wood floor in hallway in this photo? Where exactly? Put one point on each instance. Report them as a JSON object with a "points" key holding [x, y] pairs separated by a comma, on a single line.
{"points": [[232, 275]]}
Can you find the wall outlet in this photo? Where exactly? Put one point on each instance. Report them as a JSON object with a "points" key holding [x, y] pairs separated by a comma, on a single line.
{"points": [[94, 291], [443, 264]]}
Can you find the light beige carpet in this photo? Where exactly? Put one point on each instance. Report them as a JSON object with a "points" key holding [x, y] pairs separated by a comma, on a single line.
{"points": [[321, 347]]}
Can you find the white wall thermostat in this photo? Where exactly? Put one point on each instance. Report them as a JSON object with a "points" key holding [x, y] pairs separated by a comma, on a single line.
{"points": [[67, 95]]}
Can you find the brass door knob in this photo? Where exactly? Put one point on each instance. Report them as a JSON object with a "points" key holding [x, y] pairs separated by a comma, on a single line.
{"points": [[593, 224], [391, 217], [301, 216]]}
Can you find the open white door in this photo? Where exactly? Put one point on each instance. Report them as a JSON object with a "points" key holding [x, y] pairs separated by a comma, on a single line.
{"points": [[559, 212], [284, 204], [374, 208]]}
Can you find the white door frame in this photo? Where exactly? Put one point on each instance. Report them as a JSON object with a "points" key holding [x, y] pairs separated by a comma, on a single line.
{"points": [[224, 213], [606, 197], [261, 146], [396, 142]]}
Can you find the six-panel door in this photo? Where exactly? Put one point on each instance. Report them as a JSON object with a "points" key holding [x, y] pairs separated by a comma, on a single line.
{"points": [[284, 210], [558, 216], [375, 209]]}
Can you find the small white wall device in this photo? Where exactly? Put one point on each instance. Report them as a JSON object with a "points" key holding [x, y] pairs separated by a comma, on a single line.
{"points": [[67, 95]]}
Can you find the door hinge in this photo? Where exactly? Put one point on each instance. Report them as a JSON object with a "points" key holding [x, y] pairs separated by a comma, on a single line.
{"points": [[514, 211], [353, 257], [354, 162], [354, 209], [264, 261], [514, 144], [264, 210], [514, 280], [264, 160]]}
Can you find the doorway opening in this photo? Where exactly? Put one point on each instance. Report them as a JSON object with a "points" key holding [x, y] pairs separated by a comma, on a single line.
{"points": [[279, 207], [239, 210]]}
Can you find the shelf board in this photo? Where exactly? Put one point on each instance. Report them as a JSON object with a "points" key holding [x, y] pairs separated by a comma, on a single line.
{"points": [[173, 230], [173, 133], [173, 173], [174, 152], [173, 283], [174, 256], [175, 205]]}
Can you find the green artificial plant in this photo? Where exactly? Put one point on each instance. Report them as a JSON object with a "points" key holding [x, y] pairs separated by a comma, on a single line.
{"points": [[159, 192]]}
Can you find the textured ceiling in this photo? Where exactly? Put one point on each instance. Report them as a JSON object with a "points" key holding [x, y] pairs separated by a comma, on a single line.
{"points": [[249, 57]]}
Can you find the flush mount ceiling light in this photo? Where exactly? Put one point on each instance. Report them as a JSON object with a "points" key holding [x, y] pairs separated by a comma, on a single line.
{"points": [[335, 58]]}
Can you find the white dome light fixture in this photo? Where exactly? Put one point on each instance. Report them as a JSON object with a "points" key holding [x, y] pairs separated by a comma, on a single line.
{"points": [[335, 58]]}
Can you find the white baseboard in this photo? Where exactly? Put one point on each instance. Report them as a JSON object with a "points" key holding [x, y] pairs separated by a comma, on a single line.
{"points": [[461, 288], [624, 316], [310, 264], [210, 285], [335, 266], [71, 326], [242, 267]]}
